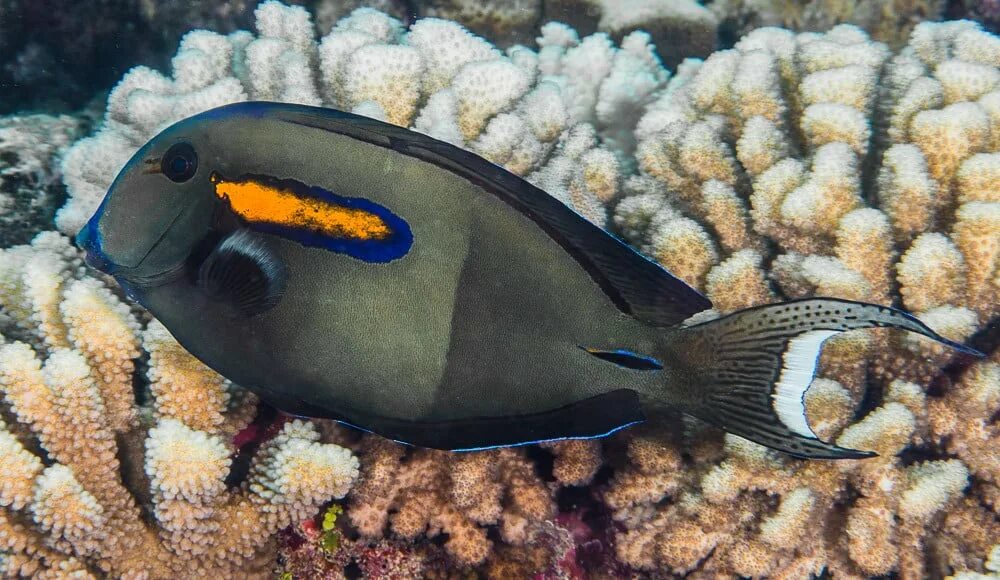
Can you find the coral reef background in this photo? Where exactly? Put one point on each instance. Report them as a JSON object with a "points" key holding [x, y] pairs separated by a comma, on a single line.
{"points": [[76, 47], [852, 152]]}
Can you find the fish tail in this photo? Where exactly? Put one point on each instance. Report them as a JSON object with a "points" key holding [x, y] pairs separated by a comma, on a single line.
{"points": [[749, 371]]}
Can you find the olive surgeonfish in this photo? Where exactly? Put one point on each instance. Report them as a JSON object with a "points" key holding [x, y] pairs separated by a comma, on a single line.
{"points": [[346, 268]]}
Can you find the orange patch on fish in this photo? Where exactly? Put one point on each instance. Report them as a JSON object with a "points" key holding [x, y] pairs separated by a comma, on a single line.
{"points": [[259, 202]]}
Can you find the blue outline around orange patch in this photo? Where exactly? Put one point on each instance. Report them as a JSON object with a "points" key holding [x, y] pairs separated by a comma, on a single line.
{"points": [[383, 237]]}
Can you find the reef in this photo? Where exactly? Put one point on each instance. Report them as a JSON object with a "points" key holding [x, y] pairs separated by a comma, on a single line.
{"points": [[889, 21], [31, 187], [793, 165], [562, 116], [95, 481], [680, 29], [821, 164]]}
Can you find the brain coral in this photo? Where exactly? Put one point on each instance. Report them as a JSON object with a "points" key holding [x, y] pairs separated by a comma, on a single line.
{"points": [[83, 465], [792, 165]]}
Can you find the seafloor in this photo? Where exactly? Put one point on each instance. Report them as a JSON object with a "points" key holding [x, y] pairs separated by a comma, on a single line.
{"points": [[761, 150]]}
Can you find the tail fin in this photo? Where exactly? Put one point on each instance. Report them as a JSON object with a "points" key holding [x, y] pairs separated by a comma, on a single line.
{"points": [[755, 366]]}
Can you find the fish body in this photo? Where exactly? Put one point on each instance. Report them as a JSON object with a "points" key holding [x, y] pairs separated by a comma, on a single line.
{"points": [[346, 268]]}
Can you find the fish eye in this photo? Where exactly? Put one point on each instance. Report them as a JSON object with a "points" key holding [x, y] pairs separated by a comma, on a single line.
{"points": [[180, 162]]}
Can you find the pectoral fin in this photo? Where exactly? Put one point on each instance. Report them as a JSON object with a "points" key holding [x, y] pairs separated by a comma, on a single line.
{"points": [[245, 272]]}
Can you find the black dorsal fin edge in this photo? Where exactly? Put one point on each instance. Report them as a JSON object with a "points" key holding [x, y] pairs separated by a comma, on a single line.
{"points": [[638, 286]]}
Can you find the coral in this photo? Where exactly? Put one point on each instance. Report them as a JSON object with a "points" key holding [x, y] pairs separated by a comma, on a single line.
{"points": [[84, 464], [308, 551], [30, 188], [57, 56], [576, 460], [427, 492], [820, 164], [562, 116], [889, 21], [506, 22], [680, 28], [987, 12]]}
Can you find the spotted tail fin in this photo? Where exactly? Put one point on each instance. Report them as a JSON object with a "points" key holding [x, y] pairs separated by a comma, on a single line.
{"points": [[754, 366]]}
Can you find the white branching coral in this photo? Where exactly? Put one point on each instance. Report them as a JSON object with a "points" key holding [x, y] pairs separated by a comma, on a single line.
{"points": [[519, 109], [71, 431]]}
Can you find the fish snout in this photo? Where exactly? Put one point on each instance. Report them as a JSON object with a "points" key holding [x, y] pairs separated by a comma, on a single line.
{"points": [[88, 240]]}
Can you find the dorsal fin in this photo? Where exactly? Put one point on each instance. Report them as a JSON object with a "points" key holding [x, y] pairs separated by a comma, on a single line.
{"points": [[637, 285]]}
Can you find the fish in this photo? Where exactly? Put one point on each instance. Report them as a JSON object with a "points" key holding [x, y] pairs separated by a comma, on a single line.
{"points": [[345, 268]]}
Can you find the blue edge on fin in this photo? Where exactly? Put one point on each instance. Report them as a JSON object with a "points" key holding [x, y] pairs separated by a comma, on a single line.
{"points": [[592, 418], [626, 359]]}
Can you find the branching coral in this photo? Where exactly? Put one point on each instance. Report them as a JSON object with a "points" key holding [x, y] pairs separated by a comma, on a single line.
{"points": [[428, 492], [73, 440], [818, 164], [555, 116], [680, 28], [887, 20]]}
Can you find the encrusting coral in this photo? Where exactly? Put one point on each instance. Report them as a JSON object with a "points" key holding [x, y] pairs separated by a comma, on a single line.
{"points": [[81, 461], [790, 166], [820, 164]]}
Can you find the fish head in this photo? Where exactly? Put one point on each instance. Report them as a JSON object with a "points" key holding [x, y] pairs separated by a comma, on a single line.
{"points": [[160, 206]]}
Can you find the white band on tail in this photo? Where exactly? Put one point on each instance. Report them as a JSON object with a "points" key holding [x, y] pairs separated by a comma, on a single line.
{"points": [[797, 367]]}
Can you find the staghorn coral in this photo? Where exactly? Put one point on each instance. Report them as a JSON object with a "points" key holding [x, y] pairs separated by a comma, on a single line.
{"points": [[562, 116], [75, 444], [849, 172]]}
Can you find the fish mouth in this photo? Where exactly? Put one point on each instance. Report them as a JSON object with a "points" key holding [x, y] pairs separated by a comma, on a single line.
{"points": [[98, 262], [152, 280], [88, 240]]}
